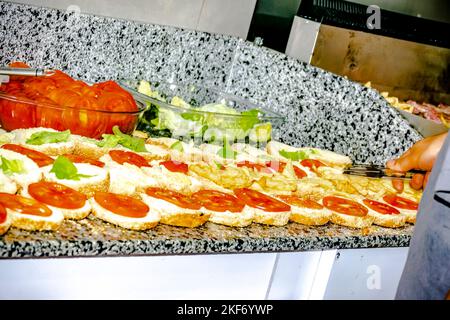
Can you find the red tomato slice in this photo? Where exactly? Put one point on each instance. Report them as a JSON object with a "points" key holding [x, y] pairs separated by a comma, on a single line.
{"points": [[3, 214], [57, 195], [81, 159], [121, 157], [277, 166], [62, 90], [40, 158], [344, 206], [24, 205], [173, 197], [175, 166], [122, 205], [312, 163], [261, 201], [380, 207], [299, 172], [300, 202], [400, 202], [218, 201], [254, 166]]}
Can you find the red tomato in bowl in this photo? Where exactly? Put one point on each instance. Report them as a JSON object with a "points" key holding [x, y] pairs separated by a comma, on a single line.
{"points": [[62, 103]]}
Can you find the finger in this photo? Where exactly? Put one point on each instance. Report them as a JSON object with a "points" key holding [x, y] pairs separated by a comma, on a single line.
{"points": [[425, 180], [398, 185], [404, 163], [417, 181]]}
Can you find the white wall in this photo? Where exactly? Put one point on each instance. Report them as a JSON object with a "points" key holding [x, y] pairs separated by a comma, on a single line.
{"points": [[231, 17]]}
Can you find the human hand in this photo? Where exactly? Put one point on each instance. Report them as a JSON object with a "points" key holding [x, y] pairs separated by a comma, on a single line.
{"points": [[421, 156]]}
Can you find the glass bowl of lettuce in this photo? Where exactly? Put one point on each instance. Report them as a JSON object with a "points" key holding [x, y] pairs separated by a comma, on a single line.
{"points": [[204, 114]]}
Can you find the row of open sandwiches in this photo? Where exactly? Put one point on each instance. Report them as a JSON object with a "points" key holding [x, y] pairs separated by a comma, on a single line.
{"points": [[263, 186]]}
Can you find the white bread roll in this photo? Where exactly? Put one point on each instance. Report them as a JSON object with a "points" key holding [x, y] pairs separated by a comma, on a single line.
{"points": [[72, 214], [327, 157], [148, 222], [348, 220], [51, 149], [174, 215], [31, 172], [98, 180], [232, 219], [32, 222], [386, 220]]}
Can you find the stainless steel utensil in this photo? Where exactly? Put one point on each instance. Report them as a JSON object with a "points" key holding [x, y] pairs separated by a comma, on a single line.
{"points": [[374, 171]]}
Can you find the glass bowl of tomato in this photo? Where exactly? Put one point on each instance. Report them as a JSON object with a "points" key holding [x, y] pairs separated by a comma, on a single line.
{"points": [[61, 102]]}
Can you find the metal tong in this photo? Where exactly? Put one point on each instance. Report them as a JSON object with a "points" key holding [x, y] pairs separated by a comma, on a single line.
{"points": [[375, 171], [5, 72]]}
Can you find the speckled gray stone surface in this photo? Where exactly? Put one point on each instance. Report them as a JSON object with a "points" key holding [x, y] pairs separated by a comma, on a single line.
{"points": [[322, 110], [93, 237]]}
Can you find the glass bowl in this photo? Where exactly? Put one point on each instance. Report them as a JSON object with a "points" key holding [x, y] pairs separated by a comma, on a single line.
{"points": [[202, 113], [22, 113]]}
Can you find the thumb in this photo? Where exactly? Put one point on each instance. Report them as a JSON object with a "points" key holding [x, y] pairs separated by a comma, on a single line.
{"points": [[403, 163]]}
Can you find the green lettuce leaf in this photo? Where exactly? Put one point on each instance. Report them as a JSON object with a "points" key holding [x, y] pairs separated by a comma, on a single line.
{"points": [[63, 168], [294, 155], [39, 138], [177, 146], [108, 141], [226, 152], [112, 140], [10, 167], [133, 143]]}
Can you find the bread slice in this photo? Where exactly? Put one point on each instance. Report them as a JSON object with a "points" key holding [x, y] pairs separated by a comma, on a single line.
{"points": [[148, 222], [98, 180], [232, 219], [410, 215], [51, 149], [260, 155], [6, 224], [31, 172], [175, 181], [327, 157], [307, 215], [174, 215], [127, 179], [72, 214], [350, 220], [6, 184], [271, 218], [385, 220], [155, 152], [87, 147], [189, 153], [36, 223]]}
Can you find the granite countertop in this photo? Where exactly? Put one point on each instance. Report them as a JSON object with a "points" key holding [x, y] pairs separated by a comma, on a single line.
{"points": [[93, 237], [322, 110]]}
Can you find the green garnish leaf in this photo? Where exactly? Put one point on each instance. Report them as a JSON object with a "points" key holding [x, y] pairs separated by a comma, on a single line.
{"points": [[43, 137], [109, 141], [192, 116], [63, 168], [226, 152], [112, 140], [294, 155], [133, 143], [177, 146], [10, 167], [219, 165]]}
